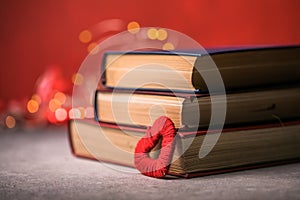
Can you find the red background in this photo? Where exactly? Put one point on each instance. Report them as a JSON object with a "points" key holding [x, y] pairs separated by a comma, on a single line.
{"points": [[35, 34]]}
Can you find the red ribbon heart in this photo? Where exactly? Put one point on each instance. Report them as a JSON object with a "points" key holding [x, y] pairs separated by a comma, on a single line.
{"points": [[162, 127]]}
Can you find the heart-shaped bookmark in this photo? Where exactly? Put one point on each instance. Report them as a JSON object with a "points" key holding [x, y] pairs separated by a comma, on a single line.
{"points": [[164, 128]]}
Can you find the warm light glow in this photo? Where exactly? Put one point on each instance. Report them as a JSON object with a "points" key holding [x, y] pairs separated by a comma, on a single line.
{"points": [[162, 34], [77, 79], [85, 36], [93, 48], [152, 33], [133, 27], [82, 112], [54, 104], [61, 97], [61, 114], [32, 106], [10, 121], [37, 98], [168, 46], [51, 117], [89, 112], [74, 113]]}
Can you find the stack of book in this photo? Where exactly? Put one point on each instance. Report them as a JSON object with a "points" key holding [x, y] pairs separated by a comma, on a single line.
{"points": [[262, 123]]}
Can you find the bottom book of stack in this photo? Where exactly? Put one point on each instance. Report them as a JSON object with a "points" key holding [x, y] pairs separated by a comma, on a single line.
{"points": [[236, 149]]}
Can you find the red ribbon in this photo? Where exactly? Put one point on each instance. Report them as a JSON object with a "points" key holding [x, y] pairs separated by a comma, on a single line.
{"points": [[163, 128]]}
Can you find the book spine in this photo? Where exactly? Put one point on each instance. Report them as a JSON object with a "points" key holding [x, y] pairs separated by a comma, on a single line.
{"points": [[70, 137], [102, 70], [96, 106]]}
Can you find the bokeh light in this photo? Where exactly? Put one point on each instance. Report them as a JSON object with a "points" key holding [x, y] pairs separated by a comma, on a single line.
{"points": [[82, 112], [10, 121], [85, 36], [162, 34], [61, 114], [36, 98], [32, 106], [74, 113], [152, 33], [93, 48], [77, 79], [168, 46], [89, 112], [54, 104], [133, 27], [61, 97]]}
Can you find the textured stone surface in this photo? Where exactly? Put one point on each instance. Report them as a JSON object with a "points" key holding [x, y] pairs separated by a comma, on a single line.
{"points": [[38, 165]]}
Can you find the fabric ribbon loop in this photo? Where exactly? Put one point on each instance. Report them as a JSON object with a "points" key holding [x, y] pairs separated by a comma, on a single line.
{"points": [[163, 128]]}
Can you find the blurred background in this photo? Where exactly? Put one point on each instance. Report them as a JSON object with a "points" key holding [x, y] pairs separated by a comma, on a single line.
{"points": [[43, 43]]}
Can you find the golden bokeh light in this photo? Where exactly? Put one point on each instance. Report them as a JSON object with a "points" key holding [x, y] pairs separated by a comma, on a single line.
{"points": [[10, 121], [32, 106], [85, 36], [54, 104], [93, 48], [152, 33], [61, 97], [61, 114], [133, 27], [77, 79], [37, 98], [168, 46], [82, 112], [162, 34]]}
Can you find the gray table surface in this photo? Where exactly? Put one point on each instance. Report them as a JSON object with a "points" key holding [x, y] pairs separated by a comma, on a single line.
{"points": [[37, 164]]}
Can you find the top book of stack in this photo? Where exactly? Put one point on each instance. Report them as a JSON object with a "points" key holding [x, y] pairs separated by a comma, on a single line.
{"points": [[183, 71]]}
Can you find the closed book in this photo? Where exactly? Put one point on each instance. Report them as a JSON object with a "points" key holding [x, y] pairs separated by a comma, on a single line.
{"points": [[186, 70], [237, 148], [142, 108]]}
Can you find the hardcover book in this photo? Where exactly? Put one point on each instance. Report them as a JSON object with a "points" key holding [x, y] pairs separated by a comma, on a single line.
{"points": [[142, 108], [237, 148], [239, 68]]}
